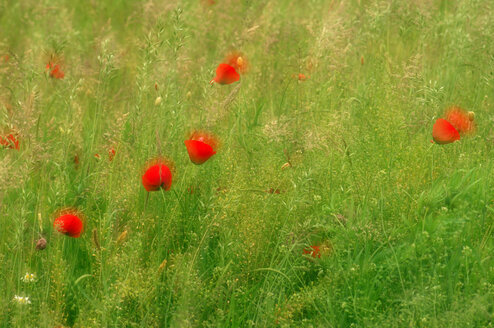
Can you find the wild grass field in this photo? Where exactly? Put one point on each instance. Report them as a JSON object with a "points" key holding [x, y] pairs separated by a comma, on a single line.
{"points": [[340, 160]]}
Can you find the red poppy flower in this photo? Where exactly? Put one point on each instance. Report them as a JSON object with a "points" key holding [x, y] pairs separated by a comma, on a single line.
{"points": [[443, 132], [225, 74], [201, 146], [111, 154], [314, 251], [237, 61], [157, 176], [69, 224], [6, 58], [10, 142], [460, 119], [55, 70], [302, 77]]}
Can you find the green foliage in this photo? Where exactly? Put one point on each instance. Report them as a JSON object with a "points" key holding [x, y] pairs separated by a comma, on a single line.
{"points": [[405, 227]]}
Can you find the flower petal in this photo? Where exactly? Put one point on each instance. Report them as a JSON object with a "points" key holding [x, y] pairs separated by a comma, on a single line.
{"points": [[443, 132], [199, 152], [226, 74]]}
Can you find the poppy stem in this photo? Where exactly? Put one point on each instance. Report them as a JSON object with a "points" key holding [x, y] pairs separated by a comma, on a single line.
{"points": [[178, 200], [347, 152], [146, 202], [158, 143], [432, 167]]}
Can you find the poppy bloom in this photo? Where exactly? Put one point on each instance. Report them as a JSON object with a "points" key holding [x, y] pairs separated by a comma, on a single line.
{"points": [[55, 71], [444, 132], [237, 61], [225, 74], [460, 119], [111, 154], [10, 142], [300, 77], [6, 58], [157, 176], [314, 251], [69, 224], [201, 146]]}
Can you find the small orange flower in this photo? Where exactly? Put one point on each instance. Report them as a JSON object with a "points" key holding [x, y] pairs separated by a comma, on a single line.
{"points": [[300, 77]]}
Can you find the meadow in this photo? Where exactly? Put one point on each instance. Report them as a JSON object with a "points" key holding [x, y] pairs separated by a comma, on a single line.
{"points": [[326, 203]]}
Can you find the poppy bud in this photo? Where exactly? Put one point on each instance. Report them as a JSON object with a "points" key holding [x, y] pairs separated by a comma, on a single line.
{"points": [[41, 244]]}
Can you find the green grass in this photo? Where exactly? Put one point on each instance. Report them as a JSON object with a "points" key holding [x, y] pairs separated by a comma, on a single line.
{"points": [[409, 224]]}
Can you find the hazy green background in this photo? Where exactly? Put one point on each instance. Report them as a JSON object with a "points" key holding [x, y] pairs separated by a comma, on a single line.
{"points": [[409, 223]]}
